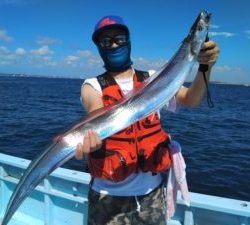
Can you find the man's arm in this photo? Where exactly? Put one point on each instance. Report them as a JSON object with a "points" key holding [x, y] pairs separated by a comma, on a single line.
{"points": [[193, 95], [91, 99], [91, 141]]}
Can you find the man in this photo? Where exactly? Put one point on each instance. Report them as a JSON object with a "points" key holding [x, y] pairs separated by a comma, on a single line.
{"points": [[126, 167]]}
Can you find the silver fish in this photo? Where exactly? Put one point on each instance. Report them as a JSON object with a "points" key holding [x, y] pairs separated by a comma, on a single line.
{"points": [[154, 93]]}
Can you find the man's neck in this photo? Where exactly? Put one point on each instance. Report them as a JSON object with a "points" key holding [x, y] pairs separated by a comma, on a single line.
{"points": [[124, 74]]}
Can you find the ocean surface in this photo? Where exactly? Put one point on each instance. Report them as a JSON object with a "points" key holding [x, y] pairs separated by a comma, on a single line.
{"points": [[215, 141]]}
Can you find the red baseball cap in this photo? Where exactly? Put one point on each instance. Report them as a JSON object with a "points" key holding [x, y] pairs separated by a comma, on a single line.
{"points": [[108, 22]]}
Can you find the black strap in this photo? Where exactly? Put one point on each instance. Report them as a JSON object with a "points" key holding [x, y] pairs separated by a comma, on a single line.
{"points": [[105, 80], [141, 75], [204, 68]]}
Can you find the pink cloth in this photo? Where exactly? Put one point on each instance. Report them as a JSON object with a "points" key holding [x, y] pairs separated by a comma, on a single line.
{"points": [[176, 180]]}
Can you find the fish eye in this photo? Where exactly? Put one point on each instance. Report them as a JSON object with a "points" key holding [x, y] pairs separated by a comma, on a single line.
{"points": [[200, 28]]}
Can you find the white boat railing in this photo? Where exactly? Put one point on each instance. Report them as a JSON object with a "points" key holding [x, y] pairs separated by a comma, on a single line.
{"points": [[61, 199]]}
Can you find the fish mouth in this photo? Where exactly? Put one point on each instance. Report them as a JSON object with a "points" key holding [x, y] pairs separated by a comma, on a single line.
{"points": [[201, 22], [206, 16], [198, 32]]}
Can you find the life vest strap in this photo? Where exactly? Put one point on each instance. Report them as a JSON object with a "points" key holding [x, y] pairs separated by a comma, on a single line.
{"points": [[140, 138], [105, 80]]}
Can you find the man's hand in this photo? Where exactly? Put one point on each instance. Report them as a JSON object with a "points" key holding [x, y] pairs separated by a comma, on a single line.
{"points": [[209, 53], [91, 143]]}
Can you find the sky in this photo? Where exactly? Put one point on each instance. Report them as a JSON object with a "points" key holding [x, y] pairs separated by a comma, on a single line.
{"points": [[53, 37]]}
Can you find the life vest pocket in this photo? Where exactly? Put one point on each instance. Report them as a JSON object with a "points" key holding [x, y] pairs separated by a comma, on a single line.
{"points": [[159, 160], [115, 165]]}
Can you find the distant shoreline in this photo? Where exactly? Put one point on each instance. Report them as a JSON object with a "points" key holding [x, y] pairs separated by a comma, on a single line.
{"points": [[38, 76], [82, 78]]}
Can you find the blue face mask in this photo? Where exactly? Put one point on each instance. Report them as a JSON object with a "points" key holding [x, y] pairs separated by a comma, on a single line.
{"points": [[116, 59]]}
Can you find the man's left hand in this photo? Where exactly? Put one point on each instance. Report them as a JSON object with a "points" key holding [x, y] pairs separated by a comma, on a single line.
{"points": [[209, 53]]}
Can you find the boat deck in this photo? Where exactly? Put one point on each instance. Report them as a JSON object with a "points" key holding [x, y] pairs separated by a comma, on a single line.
{"points": [[61, 199]]}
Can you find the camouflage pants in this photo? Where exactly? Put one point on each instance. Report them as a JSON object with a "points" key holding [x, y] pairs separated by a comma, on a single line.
{"points": [[146, 209]]}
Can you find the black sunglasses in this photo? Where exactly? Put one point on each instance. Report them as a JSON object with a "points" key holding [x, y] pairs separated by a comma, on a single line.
{"points": [[119, 39]]}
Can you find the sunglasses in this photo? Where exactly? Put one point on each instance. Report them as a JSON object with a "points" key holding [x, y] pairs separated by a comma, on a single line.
{"points": [[119, 39]]}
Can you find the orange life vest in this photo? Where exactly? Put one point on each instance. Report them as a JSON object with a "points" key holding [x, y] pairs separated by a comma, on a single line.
{"points": [[143, 146]]}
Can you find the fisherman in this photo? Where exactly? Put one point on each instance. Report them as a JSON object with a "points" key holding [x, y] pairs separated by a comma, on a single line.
{"points": [[126, 185]]}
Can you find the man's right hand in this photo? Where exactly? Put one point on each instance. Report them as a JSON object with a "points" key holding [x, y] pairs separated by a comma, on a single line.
{"points": [[91, 142]]}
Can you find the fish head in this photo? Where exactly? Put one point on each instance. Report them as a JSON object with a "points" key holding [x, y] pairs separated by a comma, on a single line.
{"points": [[199, 32]]}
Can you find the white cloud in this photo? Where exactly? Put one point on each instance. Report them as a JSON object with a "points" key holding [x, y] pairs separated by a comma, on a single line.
{"points": [[247, 32], [41, 61], [38, 58], [6, 57], [4, 36], [146, 64], [229, 74], [48, 61], [42, 57], [94, 62], [226, 69], [223, 69], [20, 51], [44, 50], [85, 53], [4, 50], [47, 41], [71, 60], [4, 62], [224, 34], [90, 59], [213, 26]]}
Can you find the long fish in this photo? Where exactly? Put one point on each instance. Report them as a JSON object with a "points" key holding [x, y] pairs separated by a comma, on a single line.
{"points": [[150, 96]]}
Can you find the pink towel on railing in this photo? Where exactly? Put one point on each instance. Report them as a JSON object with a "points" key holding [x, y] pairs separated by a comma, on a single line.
{"points": [[176, 180]]}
